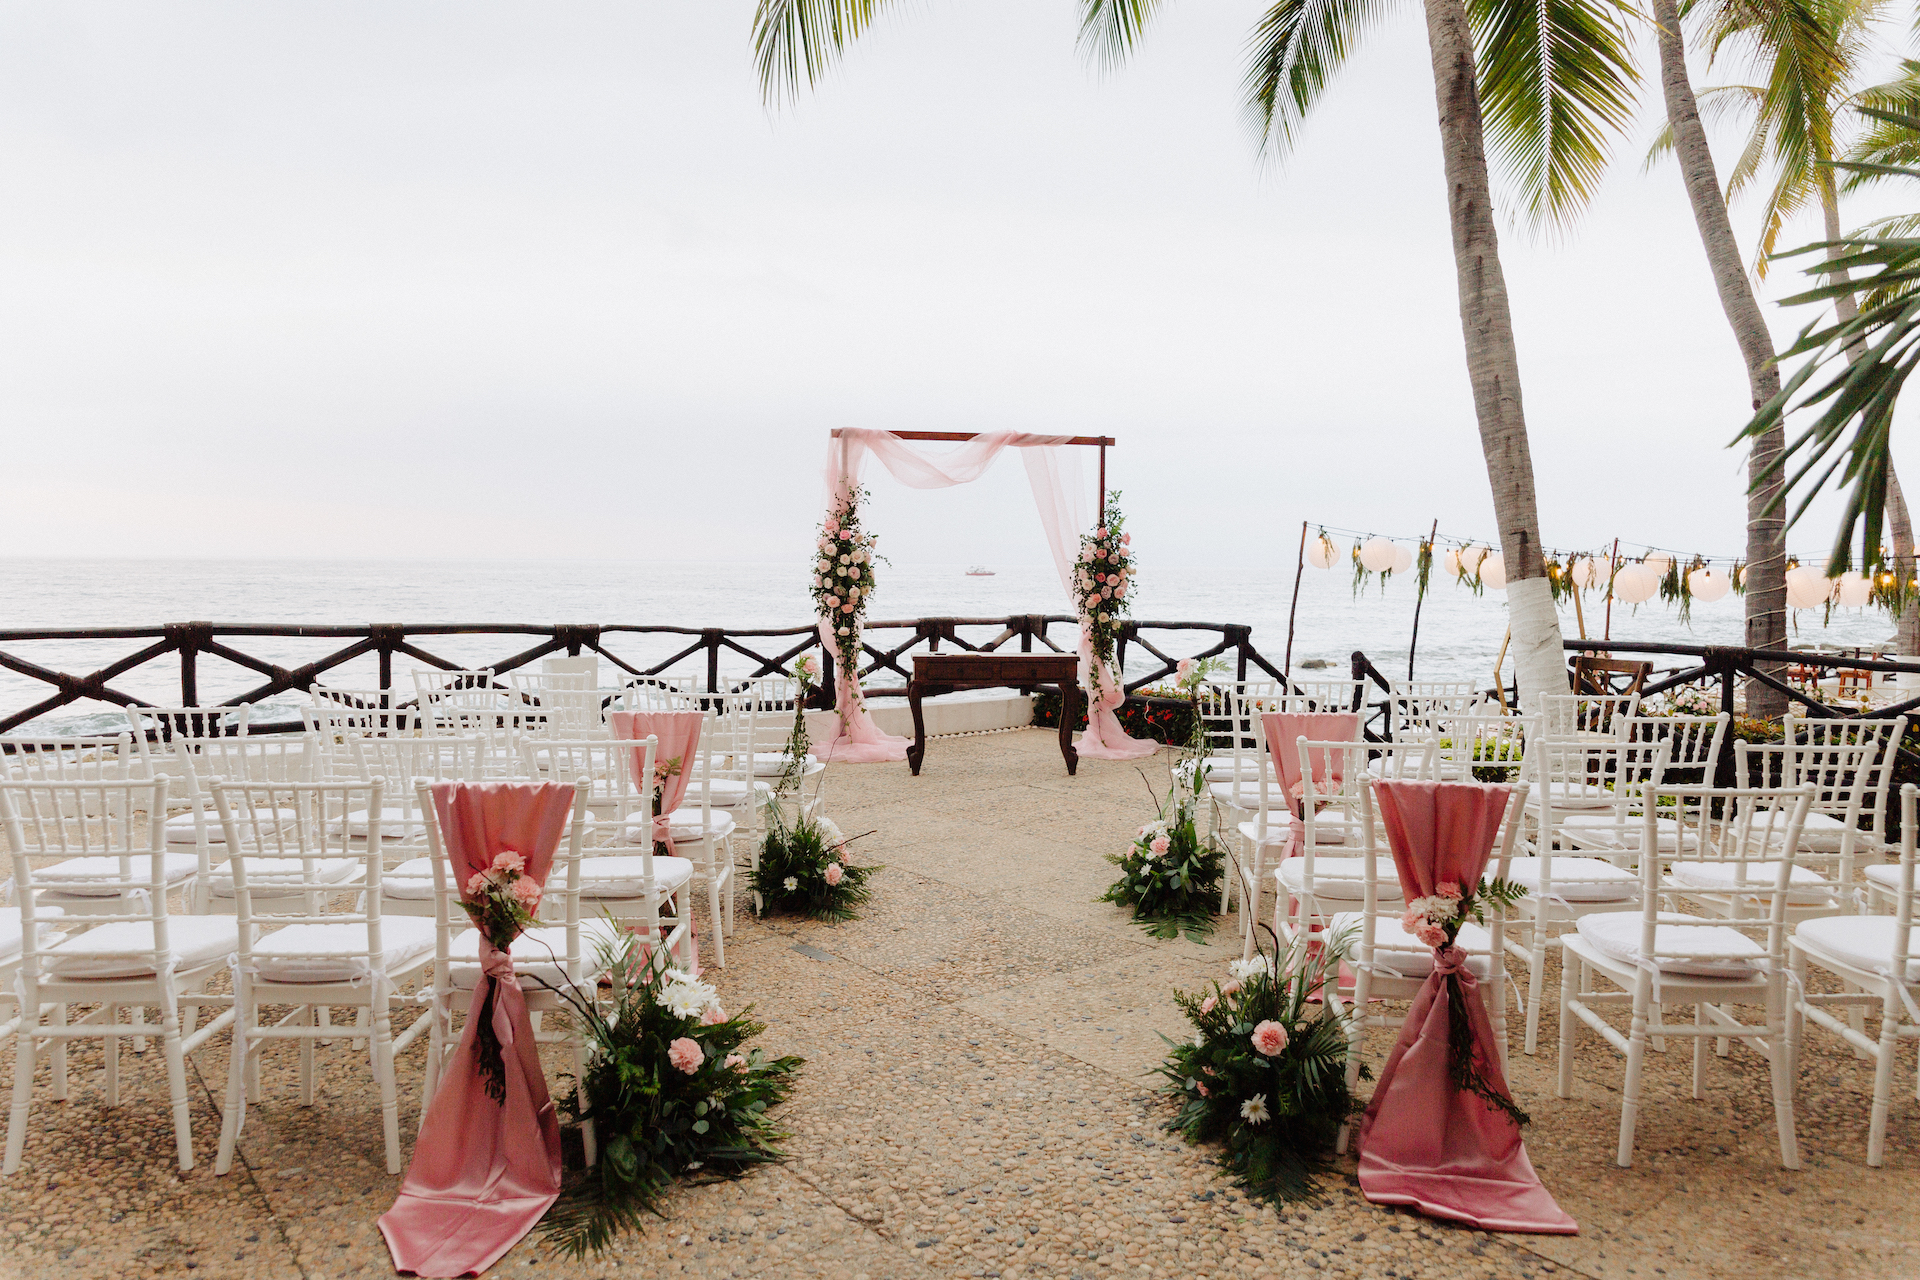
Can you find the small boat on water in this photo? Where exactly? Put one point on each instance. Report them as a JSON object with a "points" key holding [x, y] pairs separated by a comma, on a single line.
{"points": [[979, 571]]}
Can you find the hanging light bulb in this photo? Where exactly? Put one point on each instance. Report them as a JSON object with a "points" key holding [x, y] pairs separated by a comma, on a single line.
{"points": [[1706, 585], [1376, 554]]}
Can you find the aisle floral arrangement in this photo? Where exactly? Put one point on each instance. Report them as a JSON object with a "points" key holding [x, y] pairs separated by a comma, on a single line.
{"points": [[672, 1090], [1265, 1071], [1103, 585], [843, 577], [807, 869], [1170, 875]]}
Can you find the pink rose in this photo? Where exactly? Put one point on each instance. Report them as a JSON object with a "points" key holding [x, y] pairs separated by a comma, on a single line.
{"points": [[1106, 593], [1447, 889], [713, 1017], [847, 608], [1431, 934], [835, 873], [1126, 539], [1184, 669], [1270, 1038], [1120, 592], [686, 1055], [1160, 844], [833, 602], [1206, 1006], [1101, 532], [735, 1062]]}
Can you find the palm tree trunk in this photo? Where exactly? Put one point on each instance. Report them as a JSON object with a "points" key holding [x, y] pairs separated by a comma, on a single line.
{"points": [[1766, 529], [1493, 362], [1899, 523]]}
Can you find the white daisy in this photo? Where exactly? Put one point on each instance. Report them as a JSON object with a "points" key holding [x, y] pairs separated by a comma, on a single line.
{"points": [[686, 999], [1250, 967], [1254, 1109], [790, 883]]}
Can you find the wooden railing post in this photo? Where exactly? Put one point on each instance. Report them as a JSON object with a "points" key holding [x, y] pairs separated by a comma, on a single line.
{"points": [[389, 636], [190, 638], [712, 637]]}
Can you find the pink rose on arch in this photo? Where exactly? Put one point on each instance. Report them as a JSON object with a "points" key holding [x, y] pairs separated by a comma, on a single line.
{"points": [[1432, 935], [1106, 593], [1206, 1006], [1160, 844], [686, 1055], [1120, 592], [835, 873], [1126, 539], [713, 1017], [847, 608], [1269, 1038], [1101, 532]]}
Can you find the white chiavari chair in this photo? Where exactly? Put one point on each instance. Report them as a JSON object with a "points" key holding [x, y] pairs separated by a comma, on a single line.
{"points": [[98, 758], [148, 958], [298, 949], [1324, 870], [1652, 961], [1877, 960], [156, 729], [1571, 715], [206, 761]]}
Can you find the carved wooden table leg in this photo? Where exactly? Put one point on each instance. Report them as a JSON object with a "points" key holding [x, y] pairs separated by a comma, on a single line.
{"points": [[918, 750], [1069, 711]]}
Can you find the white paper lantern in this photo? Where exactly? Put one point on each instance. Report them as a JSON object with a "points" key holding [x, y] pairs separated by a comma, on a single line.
{"points": [[1321, 553], [1470, 557], [1707, 585], [1493, 572], [1855, 590], [1451, 563], [1402, 559], [1659, 562], [1635, 583], [1587, 572], [1376, 555], [1807, 589]]}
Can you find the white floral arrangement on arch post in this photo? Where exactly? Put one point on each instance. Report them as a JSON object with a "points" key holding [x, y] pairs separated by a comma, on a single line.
{"points": [[843, 583], [1103, 586]]}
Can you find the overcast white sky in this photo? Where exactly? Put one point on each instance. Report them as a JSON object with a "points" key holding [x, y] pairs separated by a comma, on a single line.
{"points": [[487, 279]]}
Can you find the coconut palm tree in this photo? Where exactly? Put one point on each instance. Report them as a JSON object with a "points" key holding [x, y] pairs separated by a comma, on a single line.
{"points": [[1810, 54], [1556, 81]]}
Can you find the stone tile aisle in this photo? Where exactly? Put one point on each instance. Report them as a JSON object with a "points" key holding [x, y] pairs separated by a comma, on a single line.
{"points": [[977, 1103]]}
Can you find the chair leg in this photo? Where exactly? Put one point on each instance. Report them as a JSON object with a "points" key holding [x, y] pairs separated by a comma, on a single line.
{"points": [[1570, 968], [236, 1082], [307, 1019], [435, 1031], [383, 1074], [1630, 1095], [1699, 1053], [1536, 969], [713, 914], [1883, 1078], [1356, 1037], [22, 1085], [57, 1054], [1796, 1017], [110, 1051], [170, 1046], [1782, 1076]]}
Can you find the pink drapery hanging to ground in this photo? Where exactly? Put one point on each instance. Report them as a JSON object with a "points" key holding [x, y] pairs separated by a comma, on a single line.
{"points": [[1054, 475], [1424, 1141], [483, 1172]]}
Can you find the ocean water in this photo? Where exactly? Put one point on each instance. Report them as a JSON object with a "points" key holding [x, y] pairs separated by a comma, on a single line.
{"points": [[1459, 633]]}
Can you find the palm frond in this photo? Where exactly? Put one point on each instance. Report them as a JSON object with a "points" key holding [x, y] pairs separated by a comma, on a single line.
{"points": [[797, 40], [1557, 82], [1109, 29], [1891, 143], [1716, 102], [1295, 50]]}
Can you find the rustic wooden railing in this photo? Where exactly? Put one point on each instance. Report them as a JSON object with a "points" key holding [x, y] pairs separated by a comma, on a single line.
{"points": [[767, 651]]}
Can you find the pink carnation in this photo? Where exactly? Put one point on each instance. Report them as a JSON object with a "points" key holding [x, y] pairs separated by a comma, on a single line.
{"points": [[1206, 1006], [475, 883], [1160, 844], [526, 892], [835, 873], [1431, 934], [1184, 668], [686, 1055], [1232, 988], [508, 860], [1269, 1038], [713, 1017], [1411, 919], [735, 1062], [1447, 889]]}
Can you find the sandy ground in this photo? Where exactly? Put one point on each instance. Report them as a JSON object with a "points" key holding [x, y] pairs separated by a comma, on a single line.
{"points": [[977, 1103]]}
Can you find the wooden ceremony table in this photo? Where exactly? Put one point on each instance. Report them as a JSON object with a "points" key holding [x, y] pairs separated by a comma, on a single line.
{"points": [[937, 673]]}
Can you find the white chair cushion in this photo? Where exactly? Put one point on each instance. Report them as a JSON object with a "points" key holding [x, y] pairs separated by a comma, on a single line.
{"points": [[1865, 942], [1396, 949], [682, 824], [12, 935], [624, 876], [1718, 877], [182, 829], [1245, 794], [1326, 831], [1887, 876], [1223, 769], [1340, 879], [1823, 832], [1578, 879], [1571, 795], [99, 877], [396, 823], [264, 873], [537, 954], [726, 793], [412, 879], [1596, 831], [338, 952], [1616, 935], [124, 948]]}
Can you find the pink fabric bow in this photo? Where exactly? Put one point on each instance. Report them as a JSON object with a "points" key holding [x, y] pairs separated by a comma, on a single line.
{"points": [[483, 1172], [678, 738], [1423, 1141]]}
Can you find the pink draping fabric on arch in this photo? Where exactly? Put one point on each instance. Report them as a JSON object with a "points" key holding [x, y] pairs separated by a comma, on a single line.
{"points": [[484, 1172], [1423, 1141], [1054, 476]]}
